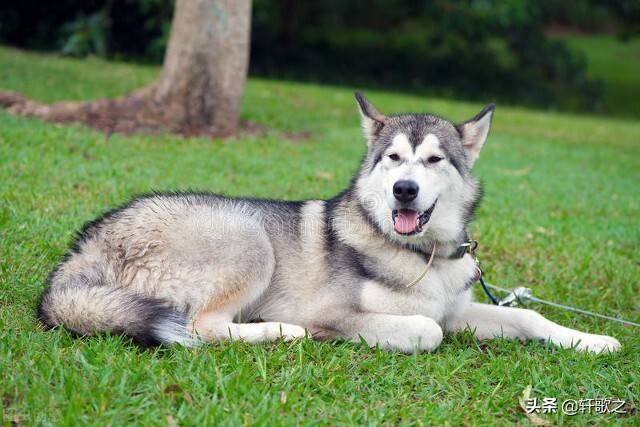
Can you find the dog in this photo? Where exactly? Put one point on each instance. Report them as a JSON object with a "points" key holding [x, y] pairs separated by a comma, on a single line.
{"points": [[384, 261]]}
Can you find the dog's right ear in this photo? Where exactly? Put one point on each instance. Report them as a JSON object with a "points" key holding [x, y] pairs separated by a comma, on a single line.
{"points": [[372, 120]]}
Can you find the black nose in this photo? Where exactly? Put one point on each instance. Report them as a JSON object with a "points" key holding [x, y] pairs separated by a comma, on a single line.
{"points": [[405, 190]]}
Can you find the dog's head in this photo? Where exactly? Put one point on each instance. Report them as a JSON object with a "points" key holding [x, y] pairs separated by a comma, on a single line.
{"points": [[415, 180]]}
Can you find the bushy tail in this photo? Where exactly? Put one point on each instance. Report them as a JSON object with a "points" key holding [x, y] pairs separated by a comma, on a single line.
{"points": [[87, 308]]}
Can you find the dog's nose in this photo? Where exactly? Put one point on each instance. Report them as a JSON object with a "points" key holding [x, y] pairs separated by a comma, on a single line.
{"points": [[405, 191]]}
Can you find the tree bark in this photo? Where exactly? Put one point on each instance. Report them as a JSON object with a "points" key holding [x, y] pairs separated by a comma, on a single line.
{"points": [[206, 62], [199, 90]]}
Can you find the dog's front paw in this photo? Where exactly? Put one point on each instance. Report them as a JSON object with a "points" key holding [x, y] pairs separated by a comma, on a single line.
{"points": [[595, 343], [417, 333]]}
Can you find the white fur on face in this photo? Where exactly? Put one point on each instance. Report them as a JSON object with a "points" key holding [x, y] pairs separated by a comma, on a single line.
{"points": [[437, 181], [430, 146], [412, 167]]}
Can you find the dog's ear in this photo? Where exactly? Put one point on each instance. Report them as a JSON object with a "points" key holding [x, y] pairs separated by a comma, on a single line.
{"points": [[474, 133], [372, 120]]}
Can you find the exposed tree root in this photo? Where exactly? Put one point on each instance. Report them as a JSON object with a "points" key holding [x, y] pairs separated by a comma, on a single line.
{"points": [[136, 112]]}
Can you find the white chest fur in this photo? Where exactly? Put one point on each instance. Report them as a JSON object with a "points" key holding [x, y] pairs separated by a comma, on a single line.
{"points": [[442, 291]]}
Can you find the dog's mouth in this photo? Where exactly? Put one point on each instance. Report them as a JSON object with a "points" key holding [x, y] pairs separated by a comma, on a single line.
{"points": [[410, 221]]}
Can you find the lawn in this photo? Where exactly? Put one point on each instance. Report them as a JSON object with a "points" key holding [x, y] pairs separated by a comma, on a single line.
{"points": [[560, 215], [617, 64]]}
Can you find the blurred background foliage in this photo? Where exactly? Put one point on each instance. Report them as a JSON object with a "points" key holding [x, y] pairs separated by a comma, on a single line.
{"points": [[515, 51]]}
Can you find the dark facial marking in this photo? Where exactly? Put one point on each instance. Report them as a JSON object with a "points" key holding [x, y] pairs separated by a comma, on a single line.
{"points": [[416, 127]]}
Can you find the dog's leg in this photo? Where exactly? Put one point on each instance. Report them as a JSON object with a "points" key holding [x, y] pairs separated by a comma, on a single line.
{"points": [[402, 333], [489, 321], [212, 326], [231, 268]]}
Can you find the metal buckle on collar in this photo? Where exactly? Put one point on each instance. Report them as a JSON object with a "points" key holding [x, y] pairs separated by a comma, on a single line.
{"points": [[468, 247]]}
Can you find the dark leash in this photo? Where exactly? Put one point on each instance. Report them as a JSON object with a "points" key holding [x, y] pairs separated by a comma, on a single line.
{"points": [[470, 247], [517, 296], [522, 294]]}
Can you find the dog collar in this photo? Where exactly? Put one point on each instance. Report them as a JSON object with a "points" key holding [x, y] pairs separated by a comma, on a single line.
{"points": [[468, 247]]}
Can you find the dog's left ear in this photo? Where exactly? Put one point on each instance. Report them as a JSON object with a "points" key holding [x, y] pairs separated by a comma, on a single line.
{"points": [[474, 133], [372, 120]]}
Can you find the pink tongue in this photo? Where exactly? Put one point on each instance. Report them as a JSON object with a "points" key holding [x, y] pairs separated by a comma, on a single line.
{"points": [[406, 220]]}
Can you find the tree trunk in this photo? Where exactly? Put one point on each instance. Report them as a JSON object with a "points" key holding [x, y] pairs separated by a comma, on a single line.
{"points": [[199, 90], [206, 62]]}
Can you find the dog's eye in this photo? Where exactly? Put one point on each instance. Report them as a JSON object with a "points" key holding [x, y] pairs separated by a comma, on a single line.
{"points": [[394, 157], [434, 159]]}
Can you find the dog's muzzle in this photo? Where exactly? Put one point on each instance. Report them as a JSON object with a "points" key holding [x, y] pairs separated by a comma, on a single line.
{"points": [[410, 221]]}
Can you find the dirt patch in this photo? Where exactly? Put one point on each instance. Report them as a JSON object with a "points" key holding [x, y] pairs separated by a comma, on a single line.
{"points": [[129, 114], [133, 113]]}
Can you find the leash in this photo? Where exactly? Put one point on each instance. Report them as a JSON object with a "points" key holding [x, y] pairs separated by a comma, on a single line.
{"points": [[522, 295], [519, 295]]}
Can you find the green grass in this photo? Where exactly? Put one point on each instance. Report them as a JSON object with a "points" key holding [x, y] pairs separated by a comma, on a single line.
{"points": [[617, 64], [560, 215]]}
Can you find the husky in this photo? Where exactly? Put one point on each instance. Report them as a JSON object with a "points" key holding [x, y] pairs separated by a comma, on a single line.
{"points": [[385, 261]]}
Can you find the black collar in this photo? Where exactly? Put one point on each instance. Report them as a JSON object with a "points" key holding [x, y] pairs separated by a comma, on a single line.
{"points": [[465, 248], [468, 246]]}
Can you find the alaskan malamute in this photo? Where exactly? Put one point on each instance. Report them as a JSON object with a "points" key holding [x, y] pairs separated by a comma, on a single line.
{"points": [[383, 261]]}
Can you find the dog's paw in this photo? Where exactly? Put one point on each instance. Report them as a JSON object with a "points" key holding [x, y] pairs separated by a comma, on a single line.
{"points": [[417, 333], [597, 344], [290, 332], [591, 343]]}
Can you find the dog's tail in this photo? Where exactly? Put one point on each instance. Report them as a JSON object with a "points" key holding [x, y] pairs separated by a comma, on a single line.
{"points": [[86, 305]]}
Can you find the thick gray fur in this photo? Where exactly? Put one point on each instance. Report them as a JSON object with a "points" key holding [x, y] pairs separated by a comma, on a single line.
{"points": [[192, 267]]}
